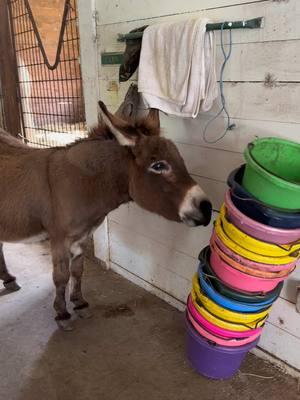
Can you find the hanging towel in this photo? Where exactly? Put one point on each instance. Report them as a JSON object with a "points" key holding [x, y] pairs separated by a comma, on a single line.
{"points": [[177, 68]]}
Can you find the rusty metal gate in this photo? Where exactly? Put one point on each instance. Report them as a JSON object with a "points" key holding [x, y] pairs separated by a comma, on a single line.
{"points": [[46, 47], [9, 101]]}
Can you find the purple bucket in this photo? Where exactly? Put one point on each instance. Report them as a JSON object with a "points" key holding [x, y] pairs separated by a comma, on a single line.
{"points": [[213, 361]]}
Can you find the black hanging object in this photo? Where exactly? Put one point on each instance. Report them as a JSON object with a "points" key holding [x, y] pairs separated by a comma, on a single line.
{"points": [[131, 56]]}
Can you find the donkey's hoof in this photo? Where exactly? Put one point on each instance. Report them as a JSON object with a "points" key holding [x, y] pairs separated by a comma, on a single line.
{"points": [[65, 325], [12, 286], [64, 321], [84, 313]]}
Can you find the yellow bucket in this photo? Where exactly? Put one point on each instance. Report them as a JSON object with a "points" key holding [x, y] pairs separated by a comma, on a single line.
{"points": [[251, 319], [217, 321], [255, 245], [251, 248]]}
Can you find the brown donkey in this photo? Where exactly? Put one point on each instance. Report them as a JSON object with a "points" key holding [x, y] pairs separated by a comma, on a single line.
{"points": [[65, 193]]}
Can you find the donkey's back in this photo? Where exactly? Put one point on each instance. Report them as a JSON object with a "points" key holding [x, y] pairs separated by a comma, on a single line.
{"points": [[8, 143], [24, 189]]}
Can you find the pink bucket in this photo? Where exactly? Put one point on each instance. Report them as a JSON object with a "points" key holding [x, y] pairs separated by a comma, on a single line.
{"points": [[216, 339], [239, 280], [249, 263], [256, 229], [218, 331]]}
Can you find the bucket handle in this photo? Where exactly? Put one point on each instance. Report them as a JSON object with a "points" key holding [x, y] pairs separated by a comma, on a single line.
{"points": [[258, 294], [245, 199], [294, 253], [200, 304]]}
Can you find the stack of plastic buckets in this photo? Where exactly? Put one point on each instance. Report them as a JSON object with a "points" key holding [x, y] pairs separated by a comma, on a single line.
{"points": [[254, 247]]}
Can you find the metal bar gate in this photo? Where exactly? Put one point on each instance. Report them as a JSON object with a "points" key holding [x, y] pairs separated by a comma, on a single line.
{"points": [[49, 77]]}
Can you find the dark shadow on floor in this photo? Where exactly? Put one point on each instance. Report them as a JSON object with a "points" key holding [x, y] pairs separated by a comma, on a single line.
{"points": [[132, 349]]}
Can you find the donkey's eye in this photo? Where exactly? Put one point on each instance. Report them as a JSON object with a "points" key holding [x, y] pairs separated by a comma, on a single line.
{"points": [[159, 167]]}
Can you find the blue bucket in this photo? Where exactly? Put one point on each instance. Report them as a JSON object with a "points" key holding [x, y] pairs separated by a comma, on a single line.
{"points": [[227, 302]]}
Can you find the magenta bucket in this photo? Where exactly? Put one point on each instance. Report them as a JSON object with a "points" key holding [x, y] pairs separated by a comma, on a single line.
{"points": [[239, 280], [211, 360], [256, 229]]}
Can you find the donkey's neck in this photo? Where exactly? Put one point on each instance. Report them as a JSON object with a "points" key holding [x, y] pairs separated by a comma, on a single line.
{"points": [[104, 168]]}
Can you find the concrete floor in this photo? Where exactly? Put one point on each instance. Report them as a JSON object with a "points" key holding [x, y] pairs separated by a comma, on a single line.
{"points": [[133, 347]]}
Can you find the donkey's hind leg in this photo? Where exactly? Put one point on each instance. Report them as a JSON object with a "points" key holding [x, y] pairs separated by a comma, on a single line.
{"points": [[81, 306], [9, 281], [61, 259]]}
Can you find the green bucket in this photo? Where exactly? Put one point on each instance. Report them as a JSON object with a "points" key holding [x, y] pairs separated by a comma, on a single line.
{"points": [[272, 173]]}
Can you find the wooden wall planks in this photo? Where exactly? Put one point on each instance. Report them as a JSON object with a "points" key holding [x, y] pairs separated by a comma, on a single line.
{"points": [[164, 254], [281, 20], [255, 60]]}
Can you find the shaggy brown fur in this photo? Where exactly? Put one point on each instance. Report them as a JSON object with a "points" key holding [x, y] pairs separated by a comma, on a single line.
{"points": [[65, 193]]}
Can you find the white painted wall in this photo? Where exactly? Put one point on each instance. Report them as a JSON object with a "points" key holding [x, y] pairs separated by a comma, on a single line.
{"points": [[160, 255]]}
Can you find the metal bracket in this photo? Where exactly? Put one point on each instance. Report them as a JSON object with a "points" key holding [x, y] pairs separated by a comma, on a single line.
{"points": [[254, 23], [115, 58], [112, 58]]}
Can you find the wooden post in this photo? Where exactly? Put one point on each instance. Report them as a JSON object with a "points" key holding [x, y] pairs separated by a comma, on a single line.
{"points": [[8, 73]]}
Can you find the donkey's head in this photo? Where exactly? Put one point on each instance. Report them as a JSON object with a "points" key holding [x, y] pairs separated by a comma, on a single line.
{"points": [[158, 178]]}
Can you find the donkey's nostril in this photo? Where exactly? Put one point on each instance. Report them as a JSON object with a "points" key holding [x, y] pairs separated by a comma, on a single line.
{"points": [[206, 210]]}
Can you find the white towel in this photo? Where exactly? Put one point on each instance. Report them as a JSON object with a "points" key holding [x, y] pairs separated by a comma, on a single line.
{"points": [[177, 68]]}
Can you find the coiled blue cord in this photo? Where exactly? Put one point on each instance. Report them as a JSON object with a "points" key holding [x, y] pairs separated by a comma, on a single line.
{"points": [[230, 125]]}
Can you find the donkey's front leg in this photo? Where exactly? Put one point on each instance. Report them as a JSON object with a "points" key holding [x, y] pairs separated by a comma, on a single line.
{"points": [[81, 306], [9, 281], [61, 261]]}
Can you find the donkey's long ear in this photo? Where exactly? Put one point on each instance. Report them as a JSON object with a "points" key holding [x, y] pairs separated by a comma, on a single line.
{"points": [[150, 125], [122, 130]]}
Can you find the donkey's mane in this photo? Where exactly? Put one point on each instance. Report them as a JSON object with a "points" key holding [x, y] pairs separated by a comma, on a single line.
{"points": [[100, 132], [96, 133]]}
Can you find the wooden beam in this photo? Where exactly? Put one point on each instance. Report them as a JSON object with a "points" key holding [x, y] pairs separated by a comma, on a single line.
{"points": [[8, 73]]}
